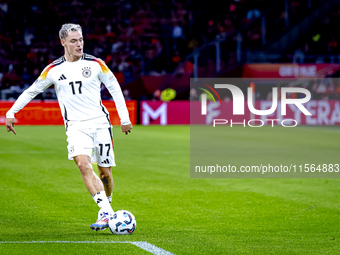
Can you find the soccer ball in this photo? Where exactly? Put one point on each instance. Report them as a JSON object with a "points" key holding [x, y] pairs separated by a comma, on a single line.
{"points": [[122, 222]]}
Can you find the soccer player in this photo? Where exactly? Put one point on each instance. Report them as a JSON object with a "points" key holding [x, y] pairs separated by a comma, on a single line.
{"points": [[77, 78]]}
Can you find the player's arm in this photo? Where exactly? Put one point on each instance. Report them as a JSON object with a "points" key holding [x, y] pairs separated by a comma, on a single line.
{"points": [[42, 83], [112, 85]]}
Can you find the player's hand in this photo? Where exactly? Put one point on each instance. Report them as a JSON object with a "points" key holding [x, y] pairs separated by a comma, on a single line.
{"points": [[126, 128], [10, 125]]}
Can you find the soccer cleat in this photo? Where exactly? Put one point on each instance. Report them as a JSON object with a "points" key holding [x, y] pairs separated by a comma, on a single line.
{"points": [[102, 221]]}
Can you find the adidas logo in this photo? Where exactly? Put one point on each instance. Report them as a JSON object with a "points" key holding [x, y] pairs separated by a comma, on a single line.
{"points": [[62, 77], [99, 200], [106, 161]]}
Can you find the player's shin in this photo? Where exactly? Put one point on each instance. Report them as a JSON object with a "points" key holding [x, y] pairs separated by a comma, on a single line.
{"points": [[105, 175]]}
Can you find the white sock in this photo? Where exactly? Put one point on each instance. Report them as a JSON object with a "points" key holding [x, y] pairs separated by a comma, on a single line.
{"points": [[110, 198], [102, 201]]}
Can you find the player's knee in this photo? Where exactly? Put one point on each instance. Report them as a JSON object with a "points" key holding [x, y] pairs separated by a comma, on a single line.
{"points": [[105, 173], [84, 167]]}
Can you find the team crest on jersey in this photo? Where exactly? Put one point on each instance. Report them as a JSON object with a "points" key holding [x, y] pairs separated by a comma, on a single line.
{"points": [[86, 72], [71, 149]]}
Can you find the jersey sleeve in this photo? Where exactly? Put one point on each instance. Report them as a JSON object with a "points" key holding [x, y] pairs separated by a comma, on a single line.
{"points": [[42, 83], [112, 85]]}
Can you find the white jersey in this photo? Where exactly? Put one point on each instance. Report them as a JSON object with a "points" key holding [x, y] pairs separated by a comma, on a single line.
{"points": [[78, 87]]}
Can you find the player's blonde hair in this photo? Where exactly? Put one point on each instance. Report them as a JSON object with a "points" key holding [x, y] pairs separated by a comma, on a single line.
{"points": [[68, 27]]}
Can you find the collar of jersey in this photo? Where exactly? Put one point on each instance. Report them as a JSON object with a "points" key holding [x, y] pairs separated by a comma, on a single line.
{"points": [[82, 57]]}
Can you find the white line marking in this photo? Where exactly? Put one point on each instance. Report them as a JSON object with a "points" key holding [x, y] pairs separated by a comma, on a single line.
{"points": [[22, 242], [152, 248], [140, 244]]}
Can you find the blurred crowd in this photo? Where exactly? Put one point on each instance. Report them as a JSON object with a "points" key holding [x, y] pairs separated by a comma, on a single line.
{"points": [[134, 38], [322, 39]]}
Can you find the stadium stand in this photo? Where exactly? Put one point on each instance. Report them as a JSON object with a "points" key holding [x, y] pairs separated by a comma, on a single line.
{"points": [[154, 45]]}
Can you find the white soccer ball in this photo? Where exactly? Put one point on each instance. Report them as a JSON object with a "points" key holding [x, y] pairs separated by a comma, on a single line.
{"points": [[122, 222]]}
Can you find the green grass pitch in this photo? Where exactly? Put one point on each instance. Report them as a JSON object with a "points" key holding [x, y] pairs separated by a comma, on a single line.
{"points": [[43, 197]]}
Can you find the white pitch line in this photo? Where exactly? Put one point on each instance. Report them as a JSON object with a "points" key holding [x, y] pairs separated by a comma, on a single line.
{"points": [[23, 242], [140, 244], [152, 248]]}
